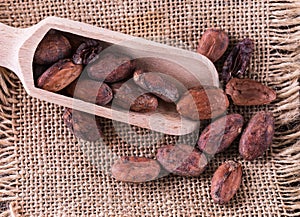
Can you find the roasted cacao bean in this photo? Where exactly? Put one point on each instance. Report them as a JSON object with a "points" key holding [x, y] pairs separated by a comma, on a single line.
{"points": [[111, 67], [238, 60], [129, 96], [249, 92], [59, 75], [182, 160], [90, 91], [226, 181], [213, 44], [160, 85], [219, 135], [86, 52], [258, 136], [202, 103], [83, 125], [53, 47], [135, 169]]}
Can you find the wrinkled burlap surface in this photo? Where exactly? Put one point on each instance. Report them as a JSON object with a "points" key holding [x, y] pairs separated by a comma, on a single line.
{"points": [[45, 171]]}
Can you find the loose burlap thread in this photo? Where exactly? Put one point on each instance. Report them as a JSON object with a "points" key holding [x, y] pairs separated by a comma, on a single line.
{"points": [[45, 171]]}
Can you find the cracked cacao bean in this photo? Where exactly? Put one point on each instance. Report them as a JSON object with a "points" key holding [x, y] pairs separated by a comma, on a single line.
{"points": [[258, 136], [111, 67], [86, 52], [59, 75], [159, 84], [129, 96], [83, 125], [249, 92], [182, 160], [213, 44], [53, 47], [135, 169], [90, 91], [202, 103], [238, 60], [226, 182], [219, 135]]}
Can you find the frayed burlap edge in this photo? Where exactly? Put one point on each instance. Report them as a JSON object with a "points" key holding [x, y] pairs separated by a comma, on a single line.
{"points": [[285, 76], [8, 153], [9, 170]]}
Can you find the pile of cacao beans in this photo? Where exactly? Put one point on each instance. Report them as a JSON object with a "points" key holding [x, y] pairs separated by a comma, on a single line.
{"points": [[61, 59]]}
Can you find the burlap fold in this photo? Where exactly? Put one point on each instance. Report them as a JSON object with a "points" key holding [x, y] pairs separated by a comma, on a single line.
{"points": [[45, 171]]}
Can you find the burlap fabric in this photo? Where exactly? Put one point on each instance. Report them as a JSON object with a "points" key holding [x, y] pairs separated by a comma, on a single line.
{"points": [[45, 171]]}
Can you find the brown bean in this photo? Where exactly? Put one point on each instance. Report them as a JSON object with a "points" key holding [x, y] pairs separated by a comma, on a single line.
{"points": [[53, 47], [249, 92], [59, 75], [90, 91], [135, 169], [238, 60], [202, 103], [129, 96], [160, 85], [226, 181], [258, 136], [219, 135], [182, 160], [86, 52], [83, 125], [111, 67], [213, 44]]}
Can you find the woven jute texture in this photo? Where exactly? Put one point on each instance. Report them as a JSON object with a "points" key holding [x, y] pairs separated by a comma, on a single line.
{"points": [[45, 171]]}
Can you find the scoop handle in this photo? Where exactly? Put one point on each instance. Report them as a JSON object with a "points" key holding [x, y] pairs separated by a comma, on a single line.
{"points": [[11, 40]]}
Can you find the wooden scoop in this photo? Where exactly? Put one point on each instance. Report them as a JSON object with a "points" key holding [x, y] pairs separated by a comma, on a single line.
{"points": [[191, 69]]}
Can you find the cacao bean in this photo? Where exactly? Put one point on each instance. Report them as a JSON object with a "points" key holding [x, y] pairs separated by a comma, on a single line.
{"points": [[226, 181], [202, 103], [129, 96], [258, 135], [53, 47], [249, 92], [86, 52], [90, 91], [83, 125], [111, 67], [59, 75], [213, 44], [238, 60], [160, 85], [219, 135], [135, 169], [182, 160]]}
